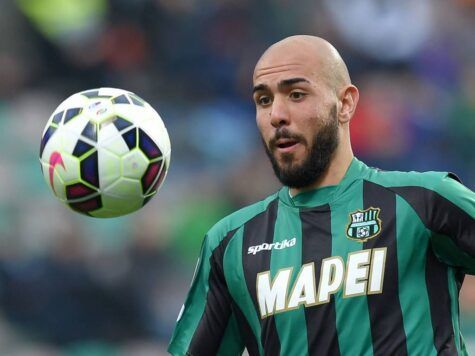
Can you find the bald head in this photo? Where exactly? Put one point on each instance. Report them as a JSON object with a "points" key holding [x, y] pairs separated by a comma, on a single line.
{"points": [[322, 58]]}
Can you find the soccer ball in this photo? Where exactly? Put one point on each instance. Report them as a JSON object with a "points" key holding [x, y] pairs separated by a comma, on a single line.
{"points": [[105, 152]]}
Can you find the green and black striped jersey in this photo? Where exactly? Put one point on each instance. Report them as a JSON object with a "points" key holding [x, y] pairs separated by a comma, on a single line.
{"points": [[371, 266]]}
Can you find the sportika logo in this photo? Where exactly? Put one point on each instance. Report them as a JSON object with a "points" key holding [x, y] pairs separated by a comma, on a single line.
{"points": [[275, 245]]}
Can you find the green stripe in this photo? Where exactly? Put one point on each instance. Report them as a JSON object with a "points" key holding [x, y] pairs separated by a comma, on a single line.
{"points": [[413, 296], [186, 326], [231, 344], [352, 316], [234, 275], [290, 324], [458, 194], [454, 306], [194, 304]]}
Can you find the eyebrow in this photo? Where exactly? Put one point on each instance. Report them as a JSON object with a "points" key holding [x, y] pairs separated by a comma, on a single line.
{"points": [[282, 84]]}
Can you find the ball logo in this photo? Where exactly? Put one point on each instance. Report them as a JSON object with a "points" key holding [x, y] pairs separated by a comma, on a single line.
{"points": [[98, 108], [95, 105], [54, 159]]}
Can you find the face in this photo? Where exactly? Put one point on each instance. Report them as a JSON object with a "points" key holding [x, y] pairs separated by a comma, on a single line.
{"points": [[296, 114]]}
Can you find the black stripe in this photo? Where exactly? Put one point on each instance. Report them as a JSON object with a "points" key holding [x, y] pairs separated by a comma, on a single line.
{"points": [[439, 300], [387, 327], [320, 320], [246, 331], [257, 231], [440, 215], [212, 325], [443, 217]]}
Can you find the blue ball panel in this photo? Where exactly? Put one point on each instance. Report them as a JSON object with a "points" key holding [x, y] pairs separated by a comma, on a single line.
{"points": [[121, 123], [121, 99], [71, 114], [90, 169], [81, 148], [130, 138], [58, 117], [49, 132], [147, 146], [90, 93], [136, 100], [90, 131]]}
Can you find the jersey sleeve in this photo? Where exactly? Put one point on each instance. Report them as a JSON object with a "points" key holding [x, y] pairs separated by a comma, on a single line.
{"points": [[451, 219], [206, 324]]}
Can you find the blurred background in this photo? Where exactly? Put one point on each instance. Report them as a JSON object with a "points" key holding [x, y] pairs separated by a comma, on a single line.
{"points": [[72, 285]]}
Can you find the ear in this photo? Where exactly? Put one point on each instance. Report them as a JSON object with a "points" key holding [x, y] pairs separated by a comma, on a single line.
{"points": [[349, 97]]}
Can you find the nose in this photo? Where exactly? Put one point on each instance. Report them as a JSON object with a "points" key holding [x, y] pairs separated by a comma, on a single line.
{"points": [[279, 114]]}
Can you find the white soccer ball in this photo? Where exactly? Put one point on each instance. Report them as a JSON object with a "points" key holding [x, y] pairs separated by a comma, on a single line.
{"points": [[105, 152]]}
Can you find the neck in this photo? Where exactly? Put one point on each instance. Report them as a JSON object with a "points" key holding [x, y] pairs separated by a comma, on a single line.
{"points": [[333, 174]]}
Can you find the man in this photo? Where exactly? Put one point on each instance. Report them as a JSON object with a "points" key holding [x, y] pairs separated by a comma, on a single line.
{"points": [[344, 259]]}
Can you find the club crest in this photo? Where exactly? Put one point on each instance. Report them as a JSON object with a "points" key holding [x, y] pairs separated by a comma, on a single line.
{"points": [[364, 224]]}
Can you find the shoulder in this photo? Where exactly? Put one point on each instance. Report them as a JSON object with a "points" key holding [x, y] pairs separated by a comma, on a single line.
{"points": [[431, 180], [425, 188], [237, 219]]}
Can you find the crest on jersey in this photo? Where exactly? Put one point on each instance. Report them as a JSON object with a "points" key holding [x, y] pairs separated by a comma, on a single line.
{"points": [[364, 224]]}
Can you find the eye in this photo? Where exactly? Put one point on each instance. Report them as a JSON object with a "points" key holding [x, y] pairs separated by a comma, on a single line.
{"points": [[263, 100], [297, 95]]}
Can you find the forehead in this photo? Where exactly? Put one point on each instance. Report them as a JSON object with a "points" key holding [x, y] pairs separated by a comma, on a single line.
{"points": [[286, 63]]}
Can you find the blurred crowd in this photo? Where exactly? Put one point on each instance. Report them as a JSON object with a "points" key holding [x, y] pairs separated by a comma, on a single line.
{"points": [[81, 286]]}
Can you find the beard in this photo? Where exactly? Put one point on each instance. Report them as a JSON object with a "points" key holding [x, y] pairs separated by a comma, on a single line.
{"points": [[317, 160]]}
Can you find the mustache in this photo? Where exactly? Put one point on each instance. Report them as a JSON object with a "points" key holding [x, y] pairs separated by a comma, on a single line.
{"points": [[286, 134]]}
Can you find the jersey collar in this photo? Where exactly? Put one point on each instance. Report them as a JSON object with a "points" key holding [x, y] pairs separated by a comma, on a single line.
{"points": [[324, 195]]}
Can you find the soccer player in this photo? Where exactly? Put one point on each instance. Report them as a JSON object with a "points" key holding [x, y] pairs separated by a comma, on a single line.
{"points": [[344, 259]]}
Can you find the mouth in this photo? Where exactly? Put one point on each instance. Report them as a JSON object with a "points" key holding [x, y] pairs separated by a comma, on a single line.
{"points": [[286, 144]]}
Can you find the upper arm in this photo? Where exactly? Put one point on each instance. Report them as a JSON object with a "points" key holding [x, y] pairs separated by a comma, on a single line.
{"points": [[206, 322], [452, 222], [447, 208], [452, 213]]}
